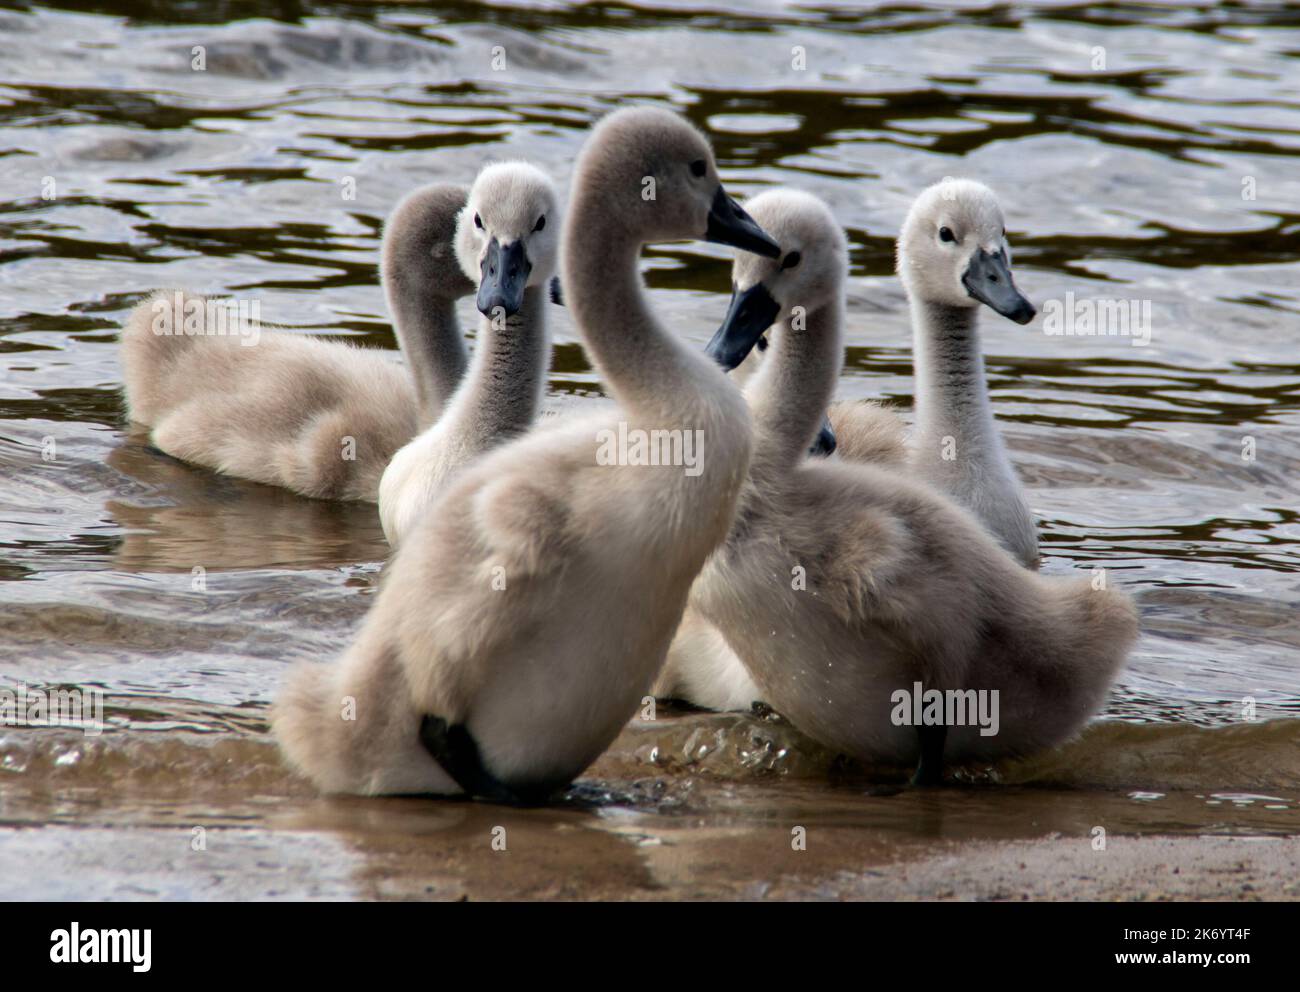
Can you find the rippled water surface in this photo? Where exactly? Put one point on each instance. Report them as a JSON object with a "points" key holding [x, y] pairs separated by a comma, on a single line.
{"points": [[1144, 153]]}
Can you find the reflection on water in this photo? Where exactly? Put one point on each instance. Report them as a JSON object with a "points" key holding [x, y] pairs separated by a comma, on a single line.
{"points": [[1141, 152]]}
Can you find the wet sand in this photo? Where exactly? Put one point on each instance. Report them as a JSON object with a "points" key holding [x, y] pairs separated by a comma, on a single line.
{"points": [[1131, 869], [147, 863], [687, 807]]}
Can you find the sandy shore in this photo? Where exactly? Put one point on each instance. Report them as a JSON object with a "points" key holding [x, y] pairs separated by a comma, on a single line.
{"points": [[690, 807], [259, 863], [1131, 869]]}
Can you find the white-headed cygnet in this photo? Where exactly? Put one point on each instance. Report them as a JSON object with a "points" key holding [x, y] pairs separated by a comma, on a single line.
{"points": [[320, 418], [524, 617], [953, 256], [843, 586], [507, 239]]}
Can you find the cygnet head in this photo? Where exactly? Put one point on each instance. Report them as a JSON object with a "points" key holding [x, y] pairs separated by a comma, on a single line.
{"points": [[953, 250], [807, 275], [507, 237], [418, 257], [656, 180]]}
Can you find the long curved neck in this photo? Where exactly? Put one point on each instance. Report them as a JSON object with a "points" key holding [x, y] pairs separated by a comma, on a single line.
{"points": [[430, 337], [952, 397], [503, 388], [790, 393], [958, 446], [654, 377]]}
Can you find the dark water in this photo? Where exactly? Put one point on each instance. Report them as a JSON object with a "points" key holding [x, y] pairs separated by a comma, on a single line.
{"points": [[1168, 174]]}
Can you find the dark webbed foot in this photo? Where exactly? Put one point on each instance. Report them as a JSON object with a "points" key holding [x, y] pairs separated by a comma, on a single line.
{"points": [[455, 749], [929, 770]]}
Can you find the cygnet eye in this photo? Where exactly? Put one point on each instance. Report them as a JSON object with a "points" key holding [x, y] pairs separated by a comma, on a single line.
{"points": [[478, 222], [699, 167], [541, 223], [945, 234], [791, 260], [762, 343]]}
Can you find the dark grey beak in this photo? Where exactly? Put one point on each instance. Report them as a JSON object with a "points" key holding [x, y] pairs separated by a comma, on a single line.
{"points": [[824, 446], [730, 225], [750, 314], [988, 279], [503, 276]]}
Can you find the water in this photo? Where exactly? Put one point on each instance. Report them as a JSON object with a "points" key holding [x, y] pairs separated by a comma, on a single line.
{"points": [[1167, 175]]}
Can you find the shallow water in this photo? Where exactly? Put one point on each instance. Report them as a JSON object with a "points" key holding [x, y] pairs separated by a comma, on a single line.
{"points": [[1120, 182]]}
